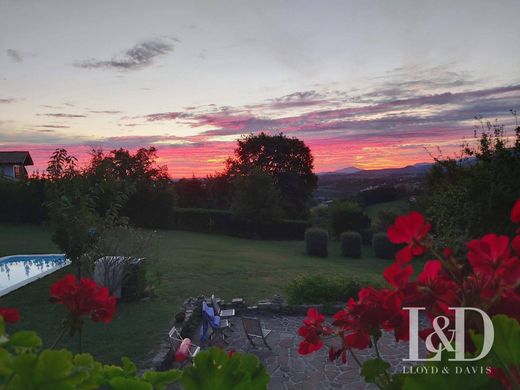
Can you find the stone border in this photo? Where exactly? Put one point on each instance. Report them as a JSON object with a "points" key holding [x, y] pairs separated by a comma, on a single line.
{"points": [[192, 308]]}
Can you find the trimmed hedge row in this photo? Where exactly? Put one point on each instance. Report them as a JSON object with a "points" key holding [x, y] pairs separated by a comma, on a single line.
{"points": [[316, 289], [351, 243], [223, 222], [383, 248]]}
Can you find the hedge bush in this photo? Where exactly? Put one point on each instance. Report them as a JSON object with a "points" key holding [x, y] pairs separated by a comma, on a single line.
{"points": [[351, 244], [382, 246], [316, 289], [316, 241], [366, 236], [223, 222], [347, 216]]}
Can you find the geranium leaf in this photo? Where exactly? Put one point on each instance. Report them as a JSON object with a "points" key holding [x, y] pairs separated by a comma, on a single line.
{"points": [[160, 379], [25, 339], [505, 350], [373, 368]]}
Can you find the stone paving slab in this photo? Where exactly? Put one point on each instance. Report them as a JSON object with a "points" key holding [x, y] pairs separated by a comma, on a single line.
{"points": [[289, 370]]}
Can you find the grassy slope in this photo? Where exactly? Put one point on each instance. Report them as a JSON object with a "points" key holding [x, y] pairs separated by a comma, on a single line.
{"points": [[189, 264], [396, 206]]}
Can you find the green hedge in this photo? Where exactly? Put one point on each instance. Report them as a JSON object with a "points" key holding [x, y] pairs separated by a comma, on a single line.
{"points": [[223, 222], [318, 289], [382, 246], [317, 242], [351, 244]]}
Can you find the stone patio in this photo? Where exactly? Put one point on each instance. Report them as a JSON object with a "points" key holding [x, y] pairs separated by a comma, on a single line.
{"points": [[289, 370]]}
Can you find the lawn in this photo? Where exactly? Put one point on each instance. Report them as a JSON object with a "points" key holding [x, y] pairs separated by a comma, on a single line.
{"points": [[188, 264], [397, 206]]}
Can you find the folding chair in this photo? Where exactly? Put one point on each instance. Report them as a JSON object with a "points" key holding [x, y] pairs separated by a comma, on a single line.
{"points": [[253, 328], [176, 340], [218, 311], [210, 320]]}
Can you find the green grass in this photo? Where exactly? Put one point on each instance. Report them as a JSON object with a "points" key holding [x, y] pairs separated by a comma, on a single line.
{"points": [[188, 264], [396, 206]]}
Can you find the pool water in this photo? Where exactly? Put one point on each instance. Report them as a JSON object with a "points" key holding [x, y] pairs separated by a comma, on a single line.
{"points": [[19, 270]]}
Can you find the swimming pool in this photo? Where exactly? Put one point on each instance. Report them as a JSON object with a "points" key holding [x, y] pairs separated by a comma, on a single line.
{"points": [[19, 270]]}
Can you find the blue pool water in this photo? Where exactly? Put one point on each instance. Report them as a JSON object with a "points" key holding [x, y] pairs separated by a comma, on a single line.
{"points": [[17, 271]]}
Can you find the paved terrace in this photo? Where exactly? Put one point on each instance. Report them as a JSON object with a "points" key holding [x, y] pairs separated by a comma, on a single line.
{"points": [[289, 370]]}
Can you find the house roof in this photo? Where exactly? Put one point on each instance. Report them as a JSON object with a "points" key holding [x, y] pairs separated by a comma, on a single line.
{"points": [[22, 158]]}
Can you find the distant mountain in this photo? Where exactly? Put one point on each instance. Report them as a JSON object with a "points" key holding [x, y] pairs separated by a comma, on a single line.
{"points": [[343, 171], [419, 168]]}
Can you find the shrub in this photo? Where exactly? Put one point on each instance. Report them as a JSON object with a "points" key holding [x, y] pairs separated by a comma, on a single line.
{"points": [[116, 261], [347, 216], [222, 222], [314, 289], [351, 244], [316, 241], [383, 248], [383, 220], [366, 236], [320, 216]]}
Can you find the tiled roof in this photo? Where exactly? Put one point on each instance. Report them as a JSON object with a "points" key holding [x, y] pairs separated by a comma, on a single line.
{"points": [[22, 158]]}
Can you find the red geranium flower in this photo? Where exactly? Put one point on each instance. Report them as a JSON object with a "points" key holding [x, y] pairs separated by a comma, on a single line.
{"points": [[312, 341], [410, 230], [10, 314], [311, 331], [490, 256], [515, 244], [84, 298], [515, 213], [397, 275], [436, 291]]}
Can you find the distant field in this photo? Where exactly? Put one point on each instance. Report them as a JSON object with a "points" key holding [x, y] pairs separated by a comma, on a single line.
{"points": [[189, 264], [397, 206]]}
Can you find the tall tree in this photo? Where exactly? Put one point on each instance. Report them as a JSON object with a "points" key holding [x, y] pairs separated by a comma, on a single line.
{"points": [[256, 199], [149, 190], [288, 161]]}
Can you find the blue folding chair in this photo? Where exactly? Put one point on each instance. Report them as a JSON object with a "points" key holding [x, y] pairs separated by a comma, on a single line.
{"points": [[210, 320]]}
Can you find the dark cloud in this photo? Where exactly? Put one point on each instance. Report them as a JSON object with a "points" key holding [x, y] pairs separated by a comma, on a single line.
{"points": [[165, 116], [55, 127], [138, 57], [63, 115], [14, 55], [105, 112]]}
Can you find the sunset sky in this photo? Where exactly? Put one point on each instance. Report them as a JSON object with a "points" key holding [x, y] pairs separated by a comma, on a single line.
{"points": [[369, 84]]}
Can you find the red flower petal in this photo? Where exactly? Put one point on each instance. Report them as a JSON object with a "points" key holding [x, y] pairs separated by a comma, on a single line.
{"points": [[10, 314], [515, 213]]}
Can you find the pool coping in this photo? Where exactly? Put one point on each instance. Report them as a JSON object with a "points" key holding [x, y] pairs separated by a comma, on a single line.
{"points": [[24, 282]]}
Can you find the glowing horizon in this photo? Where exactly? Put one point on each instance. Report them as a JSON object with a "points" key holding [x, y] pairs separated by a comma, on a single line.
{"points": [[358, 86]]}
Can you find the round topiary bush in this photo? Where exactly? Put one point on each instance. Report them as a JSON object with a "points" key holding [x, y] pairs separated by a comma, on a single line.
{"points": [[351, 244], [383, 248], [317, 241]]}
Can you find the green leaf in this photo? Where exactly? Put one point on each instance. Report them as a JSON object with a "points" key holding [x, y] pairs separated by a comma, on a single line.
{"points": [[24, 367], [128, 366], [374, 368], [213, 369], [160, 379], [25, 339], [122, 383], [54, 365], [505, 349]]}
